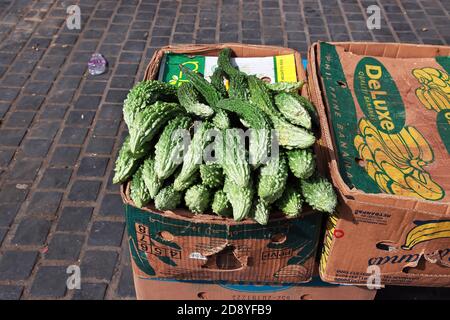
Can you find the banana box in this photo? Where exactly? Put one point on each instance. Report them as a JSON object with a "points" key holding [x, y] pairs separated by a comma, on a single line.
{"points": [[385, 123]]}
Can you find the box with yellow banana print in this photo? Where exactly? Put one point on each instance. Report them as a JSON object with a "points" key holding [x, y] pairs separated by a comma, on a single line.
{"points": [[385, 127]]}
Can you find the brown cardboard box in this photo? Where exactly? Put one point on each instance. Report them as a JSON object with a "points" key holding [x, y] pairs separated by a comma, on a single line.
{"points": [[390, 115], [180, 245], [151, 289]]}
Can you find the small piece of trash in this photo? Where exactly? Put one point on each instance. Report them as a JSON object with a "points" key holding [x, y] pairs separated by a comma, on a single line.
{"points": [[21, 186], [82, 116], [97, 64], [44, 249]]}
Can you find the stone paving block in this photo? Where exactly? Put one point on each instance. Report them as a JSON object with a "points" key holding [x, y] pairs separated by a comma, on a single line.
{"points": [[94, 87], [84, 190], [90, 291], [107, 128], [14, 80], [124, 69], [19, 119], [44, 203], [29, 102], [73, 135], [10, 292], [3, 232], [36, 147], [100, 145], [32, 231], [17, 265], [4, 107], [7, 154], [110, 111], [37, 87], [25, 169], [11, 137], [65, 247], [126, 284], [92, 167], [116, 96], [55, 178], [8, 213], [65, 156], [53, 112], [98, 264], [106, 233], [87, 103], [74, 219], [75, 69], [61, 96], [9, 193], [112, 205], [50, 281], [44, 129], [80, 118]]}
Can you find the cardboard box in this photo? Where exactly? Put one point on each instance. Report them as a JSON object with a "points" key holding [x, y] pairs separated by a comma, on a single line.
{"points": [[151, 289], [180, 245], [384, 112]]}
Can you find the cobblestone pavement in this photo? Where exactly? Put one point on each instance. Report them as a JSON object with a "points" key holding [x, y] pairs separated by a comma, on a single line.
{"points": [[61, 127]]}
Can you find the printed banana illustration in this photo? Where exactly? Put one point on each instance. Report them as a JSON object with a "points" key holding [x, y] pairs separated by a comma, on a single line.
{"points": [[434, 93], [426, 231], [396, 161]]}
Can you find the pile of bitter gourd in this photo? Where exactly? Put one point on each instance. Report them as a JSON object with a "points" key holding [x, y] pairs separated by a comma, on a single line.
{"points": [[240, 181]]}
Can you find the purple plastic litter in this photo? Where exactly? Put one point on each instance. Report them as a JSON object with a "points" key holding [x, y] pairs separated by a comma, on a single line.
{"points": [[97, 64]]}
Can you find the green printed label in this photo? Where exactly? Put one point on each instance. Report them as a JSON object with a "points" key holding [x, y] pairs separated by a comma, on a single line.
{"points": [[378, 96], [343, 120], [444, 61], [172, 73], [443, 125]]}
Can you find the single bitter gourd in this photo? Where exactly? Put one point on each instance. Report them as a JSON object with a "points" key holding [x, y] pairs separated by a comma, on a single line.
{"points": [[127, 163], [193, 157], [170, 146], [319, 194], [138, 190], [224, 62], [212, 175], [258, 121], [301, 162], [198, 198], [189, 99], [294, 111], [207, 90], [261, 211], [238, 87], [272, 178], [240, 199], [150, 177], [167, 198], [289, 135], [221, 120], [285, 86], [233, 157], [217, 79], [143, 95], [309, 107], [290, 203], [220, 204], [149, 121]]}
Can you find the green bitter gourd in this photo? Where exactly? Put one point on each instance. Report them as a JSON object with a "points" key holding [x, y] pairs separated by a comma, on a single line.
{"points": [[198, 198], [170, 146], [319, 194]]}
